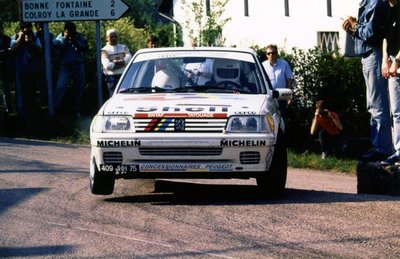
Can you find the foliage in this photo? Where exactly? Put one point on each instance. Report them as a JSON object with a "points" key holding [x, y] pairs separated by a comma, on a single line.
{"points": [[209, 24], [329, 76]]}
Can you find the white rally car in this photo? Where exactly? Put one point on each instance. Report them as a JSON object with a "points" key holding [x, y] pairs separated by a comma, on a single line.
{"points": [[190, 113]]}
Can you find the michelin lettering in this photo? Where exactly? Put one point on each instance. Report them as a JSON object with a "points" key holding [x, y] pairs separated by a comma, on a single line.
{"points": [[118, 143], [243, 143]]}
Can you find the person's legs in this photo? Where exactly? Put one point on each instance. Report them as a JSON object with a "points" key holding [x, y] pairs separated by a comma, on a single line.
{"points": [[324, 141], [394, 94], [377, 103], [62, 85], [111, 82], [79, 79]]}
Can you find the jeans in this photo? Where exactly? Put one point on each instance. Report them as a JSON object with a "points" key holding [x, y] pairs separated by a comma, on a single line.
{"points": [[394, 93], [377, 102], [111, 82], [330, 144], [68, 72]]}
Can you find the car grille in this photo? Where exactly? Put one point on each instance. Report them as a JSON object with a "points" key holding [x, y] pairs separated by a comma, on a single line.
{"points": [[189, 125], [247, 158], [112, 157], [180, 151]]}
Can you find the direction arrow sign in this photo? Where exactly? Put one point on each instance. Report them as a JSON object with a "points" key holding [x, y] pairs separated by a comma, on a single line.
{"points": [[72, 10]]}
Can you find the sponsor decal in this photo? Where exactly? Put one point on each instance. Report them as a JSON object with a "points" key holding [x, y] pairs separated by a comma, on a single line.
{"points": [[158, 125], [179, 112], [174, 97], [180, 115], [245, 113], [118, 143], [243, 143], [184, 167]]}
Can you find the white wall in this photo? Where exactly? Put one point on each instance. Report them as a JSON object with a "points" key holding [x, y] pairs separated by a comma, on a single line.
{"points": [[267, 22]]}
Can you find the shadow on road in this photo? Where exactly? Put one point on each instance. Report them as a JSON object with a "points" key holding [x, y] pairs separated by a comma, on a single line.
{"points": [[170, 193]]}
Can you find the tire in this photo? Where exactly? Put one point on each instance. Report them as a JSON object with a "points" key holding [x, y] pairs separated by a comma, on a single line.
{"points": [[274, 181], [101, 183]]}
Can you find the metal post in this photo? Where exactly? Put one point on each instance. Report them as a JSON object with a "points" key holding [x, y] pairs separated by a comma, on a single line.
{"points": [[99, 70]]}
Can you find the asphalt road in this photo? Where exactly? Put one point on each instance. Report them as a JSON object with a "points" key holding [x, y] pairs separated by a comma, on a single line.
{"points": [[47, 210]]}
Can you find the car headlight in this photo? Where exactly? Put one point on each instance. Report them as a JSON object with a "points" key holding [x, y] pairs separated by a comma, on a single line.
{"points": [[113, 124], [241, 124]]}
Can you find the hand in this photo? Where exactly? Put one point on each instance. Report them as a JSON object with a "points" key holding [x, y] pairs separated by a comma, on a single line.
{"points": [[386, 64], [349, 24], [393, 69]]}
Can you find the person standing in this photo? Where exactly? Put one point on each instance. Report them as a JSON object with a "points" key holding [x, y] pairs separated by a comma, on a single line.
{"points": [[71, 47], [330, 127], [368, 33], [5, 71], [152, 41], [279, 72], [26, 50], [42, 84], [114, 58], [390, 70]]}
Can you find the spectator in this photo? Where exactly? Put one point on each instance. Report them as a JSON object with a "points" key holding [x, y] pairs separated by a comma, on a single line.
{"points": [[39, 33], [152, 41], [114, 58], [368, 34], [279, 72], [390, 69], [5, 71], [26, 49], [71, 46], [330, 128]]}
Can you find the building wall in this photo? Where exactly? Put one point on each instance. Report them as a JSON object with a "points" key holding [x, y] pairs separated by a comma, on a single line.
{"points": [[266, 22]]}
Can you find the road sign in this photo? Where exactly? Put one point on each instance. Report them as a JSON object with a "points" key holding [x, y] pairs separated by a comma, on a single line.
{"points": [[72, 10]]}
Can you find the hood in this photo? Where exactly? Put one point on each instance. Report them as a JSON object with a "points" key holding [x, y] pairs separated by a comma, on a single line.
{"points": [[185, 105]]}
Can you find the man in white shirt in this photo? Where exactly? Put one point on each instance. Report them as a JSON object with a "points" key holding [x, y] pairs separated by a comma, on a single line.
{"points": [[114, 58], [279, 72]]}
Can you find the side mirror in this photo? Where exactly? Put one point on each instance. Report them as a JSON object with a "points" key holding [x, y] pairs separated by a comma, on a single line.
{"points": [[282, 94]]}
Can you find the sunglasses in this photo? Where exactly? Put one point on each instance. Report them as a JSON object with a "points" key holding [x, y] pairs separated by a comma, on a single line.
{"points": [[270, 53]]}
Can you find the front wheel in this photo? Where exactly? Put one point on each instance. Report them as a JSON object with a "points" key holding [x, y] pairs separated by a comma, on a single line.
{"points": [[101, 183], [274, 181]]}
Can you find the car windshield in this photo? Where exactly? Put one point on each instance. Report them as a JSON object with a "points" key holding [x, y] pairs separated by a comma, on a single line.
{"points": [[193, 72]]}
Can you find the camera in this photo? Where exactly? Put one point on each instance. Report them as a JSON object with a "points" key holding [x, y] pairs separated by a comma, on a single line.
{"points": [[323, 112]]}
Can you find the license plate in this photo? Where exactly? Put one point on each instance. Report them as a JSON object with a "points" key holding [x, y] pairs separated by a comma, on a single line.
{"points": [[120, 169]]}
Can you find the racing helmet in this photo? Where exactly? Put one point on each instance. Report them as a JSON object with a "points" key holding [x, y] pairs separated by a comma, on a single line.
{"points": [[165, 80], [226, 69]]}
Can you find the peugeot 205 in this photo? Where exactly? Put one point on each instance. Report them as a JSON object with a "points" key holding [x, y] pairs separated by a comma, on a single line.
{"points": [[204, 113]]}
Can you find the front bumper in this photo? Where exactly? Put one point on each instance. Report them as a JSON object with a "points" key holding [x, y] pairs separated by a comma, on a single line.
{"points": [[173, 156]]}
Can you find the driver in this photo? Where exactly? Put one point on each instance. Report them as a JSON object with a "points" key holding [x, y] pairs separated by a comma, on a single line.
{"points": [[226, 70]]}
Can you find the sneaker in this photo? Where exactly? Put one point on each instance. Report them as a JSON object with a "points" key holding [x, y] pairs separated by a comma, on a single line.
{"points": [[374, 155], [391, 160]]}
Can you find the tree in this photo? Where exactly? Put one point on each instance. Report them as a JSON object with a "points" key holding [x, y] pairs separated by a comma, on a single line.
{"points": [[208, 23]]}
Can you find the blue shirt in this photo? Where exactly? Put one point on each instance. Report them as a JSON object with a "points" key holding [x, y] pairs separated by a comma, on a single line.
{"points": [[278, 73], [369, 31], [70, 52]]}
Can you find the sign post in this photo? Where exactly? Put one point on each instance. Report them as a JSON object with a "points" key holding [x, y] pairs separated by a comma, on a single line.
{"points": [[72, 10]]}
